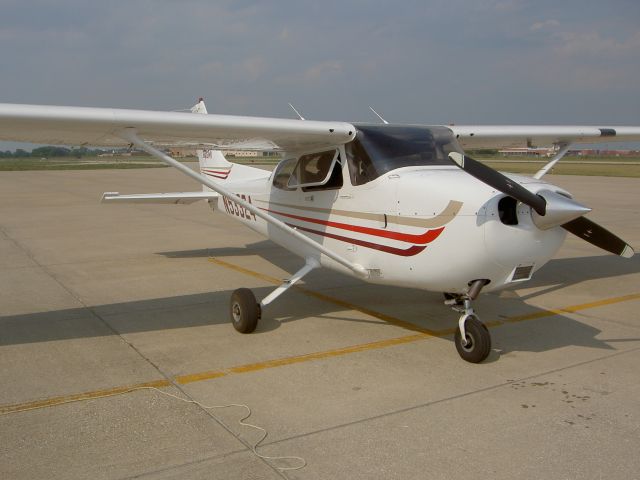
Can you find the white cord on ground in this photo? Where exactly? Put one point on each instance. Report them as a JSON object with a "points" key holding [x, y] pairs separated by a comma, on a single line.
{"points": [[303, 462]]}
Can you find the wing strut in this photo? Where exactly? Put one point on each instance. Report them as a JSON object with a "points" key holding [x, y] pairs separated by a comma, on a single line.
{"points": [[130, 135], [564, 148]]}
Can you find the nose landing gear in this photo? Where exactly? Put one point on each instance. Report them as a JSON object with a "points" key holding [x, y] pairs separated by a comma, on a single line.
{"points": [[472, 338]]}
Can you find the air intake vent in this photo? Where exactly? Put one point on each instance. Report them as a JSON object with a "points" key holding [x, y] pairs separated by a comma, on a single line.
{"points": [[521, 273], [508, 211]]}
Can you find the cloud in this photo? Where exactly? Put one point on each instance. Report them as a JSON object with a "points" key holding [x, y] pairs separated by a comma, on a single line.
{"points": [[417, 61], [322, 70], [545, 25], [254, 67], [594, 44]]}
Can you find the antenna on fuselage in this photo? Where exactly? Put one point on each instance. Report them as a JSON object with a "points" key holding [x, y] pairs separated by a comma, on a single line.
{"points": [[378, 115], [297, 112]]}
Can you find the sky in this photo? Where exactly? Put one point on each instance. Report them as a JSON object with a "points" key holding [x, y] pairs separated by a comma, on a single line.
{"points": [[429, 61]]}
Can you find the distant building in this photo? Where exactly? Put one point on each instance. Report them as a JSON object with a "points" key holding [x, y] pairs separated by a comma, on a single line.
{"points": [[182, 152], [549, 152], [242, 153], [527, 152]]}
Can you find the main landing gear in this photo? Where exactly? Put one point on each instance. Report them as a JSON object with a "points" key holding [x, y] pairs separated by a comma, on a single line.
{"points": [[472, 338], [245, 311]]}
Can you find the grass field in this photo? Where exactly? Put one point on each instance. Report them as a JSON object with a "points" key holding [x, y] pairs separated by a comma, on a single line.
{"points": [[573, 165], [94, 163], [570, 165], [64, 163]]}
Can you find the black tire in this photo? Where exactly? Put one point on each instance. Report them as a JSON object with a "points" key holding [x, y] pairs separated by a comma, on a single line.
{"points": [[478, 338], [244, 310]]}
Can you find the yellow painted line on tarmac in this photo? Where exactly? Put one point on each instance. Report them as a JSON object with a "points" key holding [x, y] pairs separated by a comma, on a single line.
{"points": [[281, 362], [246, 271], [199, 377], [410, 326], [573, 308], [421, 334], [326, 298], [53, 401]]}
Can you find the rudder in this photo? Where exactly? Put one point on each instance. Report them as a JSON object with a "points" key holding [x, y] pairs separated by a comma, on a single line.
{"points": [[215, 166]]}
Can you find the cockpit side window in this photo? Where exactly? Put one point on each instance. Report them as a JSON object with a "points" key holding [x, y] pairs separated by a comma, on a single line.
{"points": [[379, 149], [314, 167], [361, 169], [335, 176]]}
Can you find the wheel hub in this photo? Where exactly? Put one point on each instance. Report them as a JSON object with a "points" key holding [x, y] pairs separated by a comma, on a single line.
{"points": [[236, 312], [468, 347]]}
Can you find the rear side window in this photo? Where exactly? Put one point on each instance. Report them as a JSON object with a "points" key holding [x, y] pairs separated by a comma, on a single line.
{"points": [[283, 173], [313, 171]]}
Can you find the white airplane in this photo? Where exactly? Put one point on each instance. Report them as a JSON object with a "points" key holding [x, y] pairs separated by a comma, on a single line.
{"points": [[397, 205]]}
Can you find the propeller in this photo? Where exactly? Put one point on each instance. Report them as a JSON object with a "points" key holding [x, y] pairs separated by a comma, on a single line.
{"points": [[503, 184], [599, 236], [551, 209]]}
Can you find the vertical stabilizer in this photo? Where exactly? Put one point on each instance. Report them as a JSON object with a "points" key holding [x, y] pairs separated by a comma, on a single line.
{"points": [[215, 166]]}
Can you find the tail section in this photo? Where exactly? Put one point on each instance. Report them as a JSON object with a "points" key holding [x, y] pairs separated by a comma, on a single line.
{"points": [[215, 166]]}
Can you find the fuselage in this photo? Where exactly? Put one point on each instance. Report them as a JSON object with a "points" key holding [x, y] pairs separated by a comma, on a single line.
{"points": [[428, 227]]}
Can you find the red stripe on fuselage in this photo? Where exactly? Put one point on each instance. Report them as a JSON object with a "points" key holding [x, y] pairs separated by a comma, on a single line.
{"points": [[426, 237], [409, 252]]}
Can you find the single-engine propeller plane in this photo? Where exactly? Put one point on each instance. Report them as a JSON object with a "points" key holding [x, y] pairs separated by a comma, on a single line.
{"points": [[398, 205]]}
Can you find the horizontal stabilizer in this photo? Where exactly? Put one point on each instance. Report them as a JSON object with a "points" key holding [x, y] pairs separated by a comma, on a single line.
{"points": [[166, 198]]}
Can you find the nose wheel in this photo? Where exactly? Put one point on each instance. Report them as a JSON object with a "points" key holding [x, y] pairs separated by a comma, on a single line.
{"points": [[477, 341], [472, 338]]}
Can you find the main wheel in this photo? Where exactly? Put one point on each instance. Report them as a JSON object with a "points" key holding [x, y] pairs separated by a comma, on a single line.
{"points": [[244, 309], [478, 341]]}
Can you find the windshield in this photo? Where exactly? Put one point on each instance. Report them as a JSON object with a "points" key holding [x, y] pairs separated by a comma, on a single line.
{"points": [[378, 149]]}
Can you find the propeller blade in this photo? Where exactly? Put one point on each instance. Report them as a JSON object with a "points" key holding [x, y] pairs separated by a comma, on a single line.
{"points": [[598, 236], [495, 179]]}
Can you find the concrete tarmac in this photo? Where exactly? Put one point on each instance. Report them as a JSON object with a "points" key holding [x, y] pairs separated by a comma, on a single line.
{"points": [[99, 304]]}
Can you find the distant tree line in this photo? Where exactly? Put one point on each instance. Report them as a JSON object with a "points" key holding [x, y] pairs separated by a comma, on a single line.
{"points": [[52, 152]]}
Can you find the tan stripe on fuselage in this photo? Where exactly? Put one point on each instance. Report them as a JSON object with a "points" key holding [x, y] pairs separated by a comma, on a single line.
{"points": [[444, 217]]}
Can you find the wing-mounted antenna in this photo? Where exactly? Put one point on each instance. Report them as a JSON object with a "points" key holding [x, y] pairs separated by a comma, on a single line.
{"points": [[378, 115], [297, 112]]}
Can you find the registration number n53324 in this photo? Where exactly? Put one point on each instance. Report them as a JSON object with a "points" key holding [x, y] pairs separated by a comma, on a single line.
{"points": [[234, 208]]}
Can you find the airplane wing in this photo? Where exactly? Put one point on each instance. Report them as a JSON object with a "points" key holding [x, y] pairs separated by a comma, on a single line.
{"points": [[101, 127], [53, 125], [505, 136], [180, 198], [118, 127]]}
